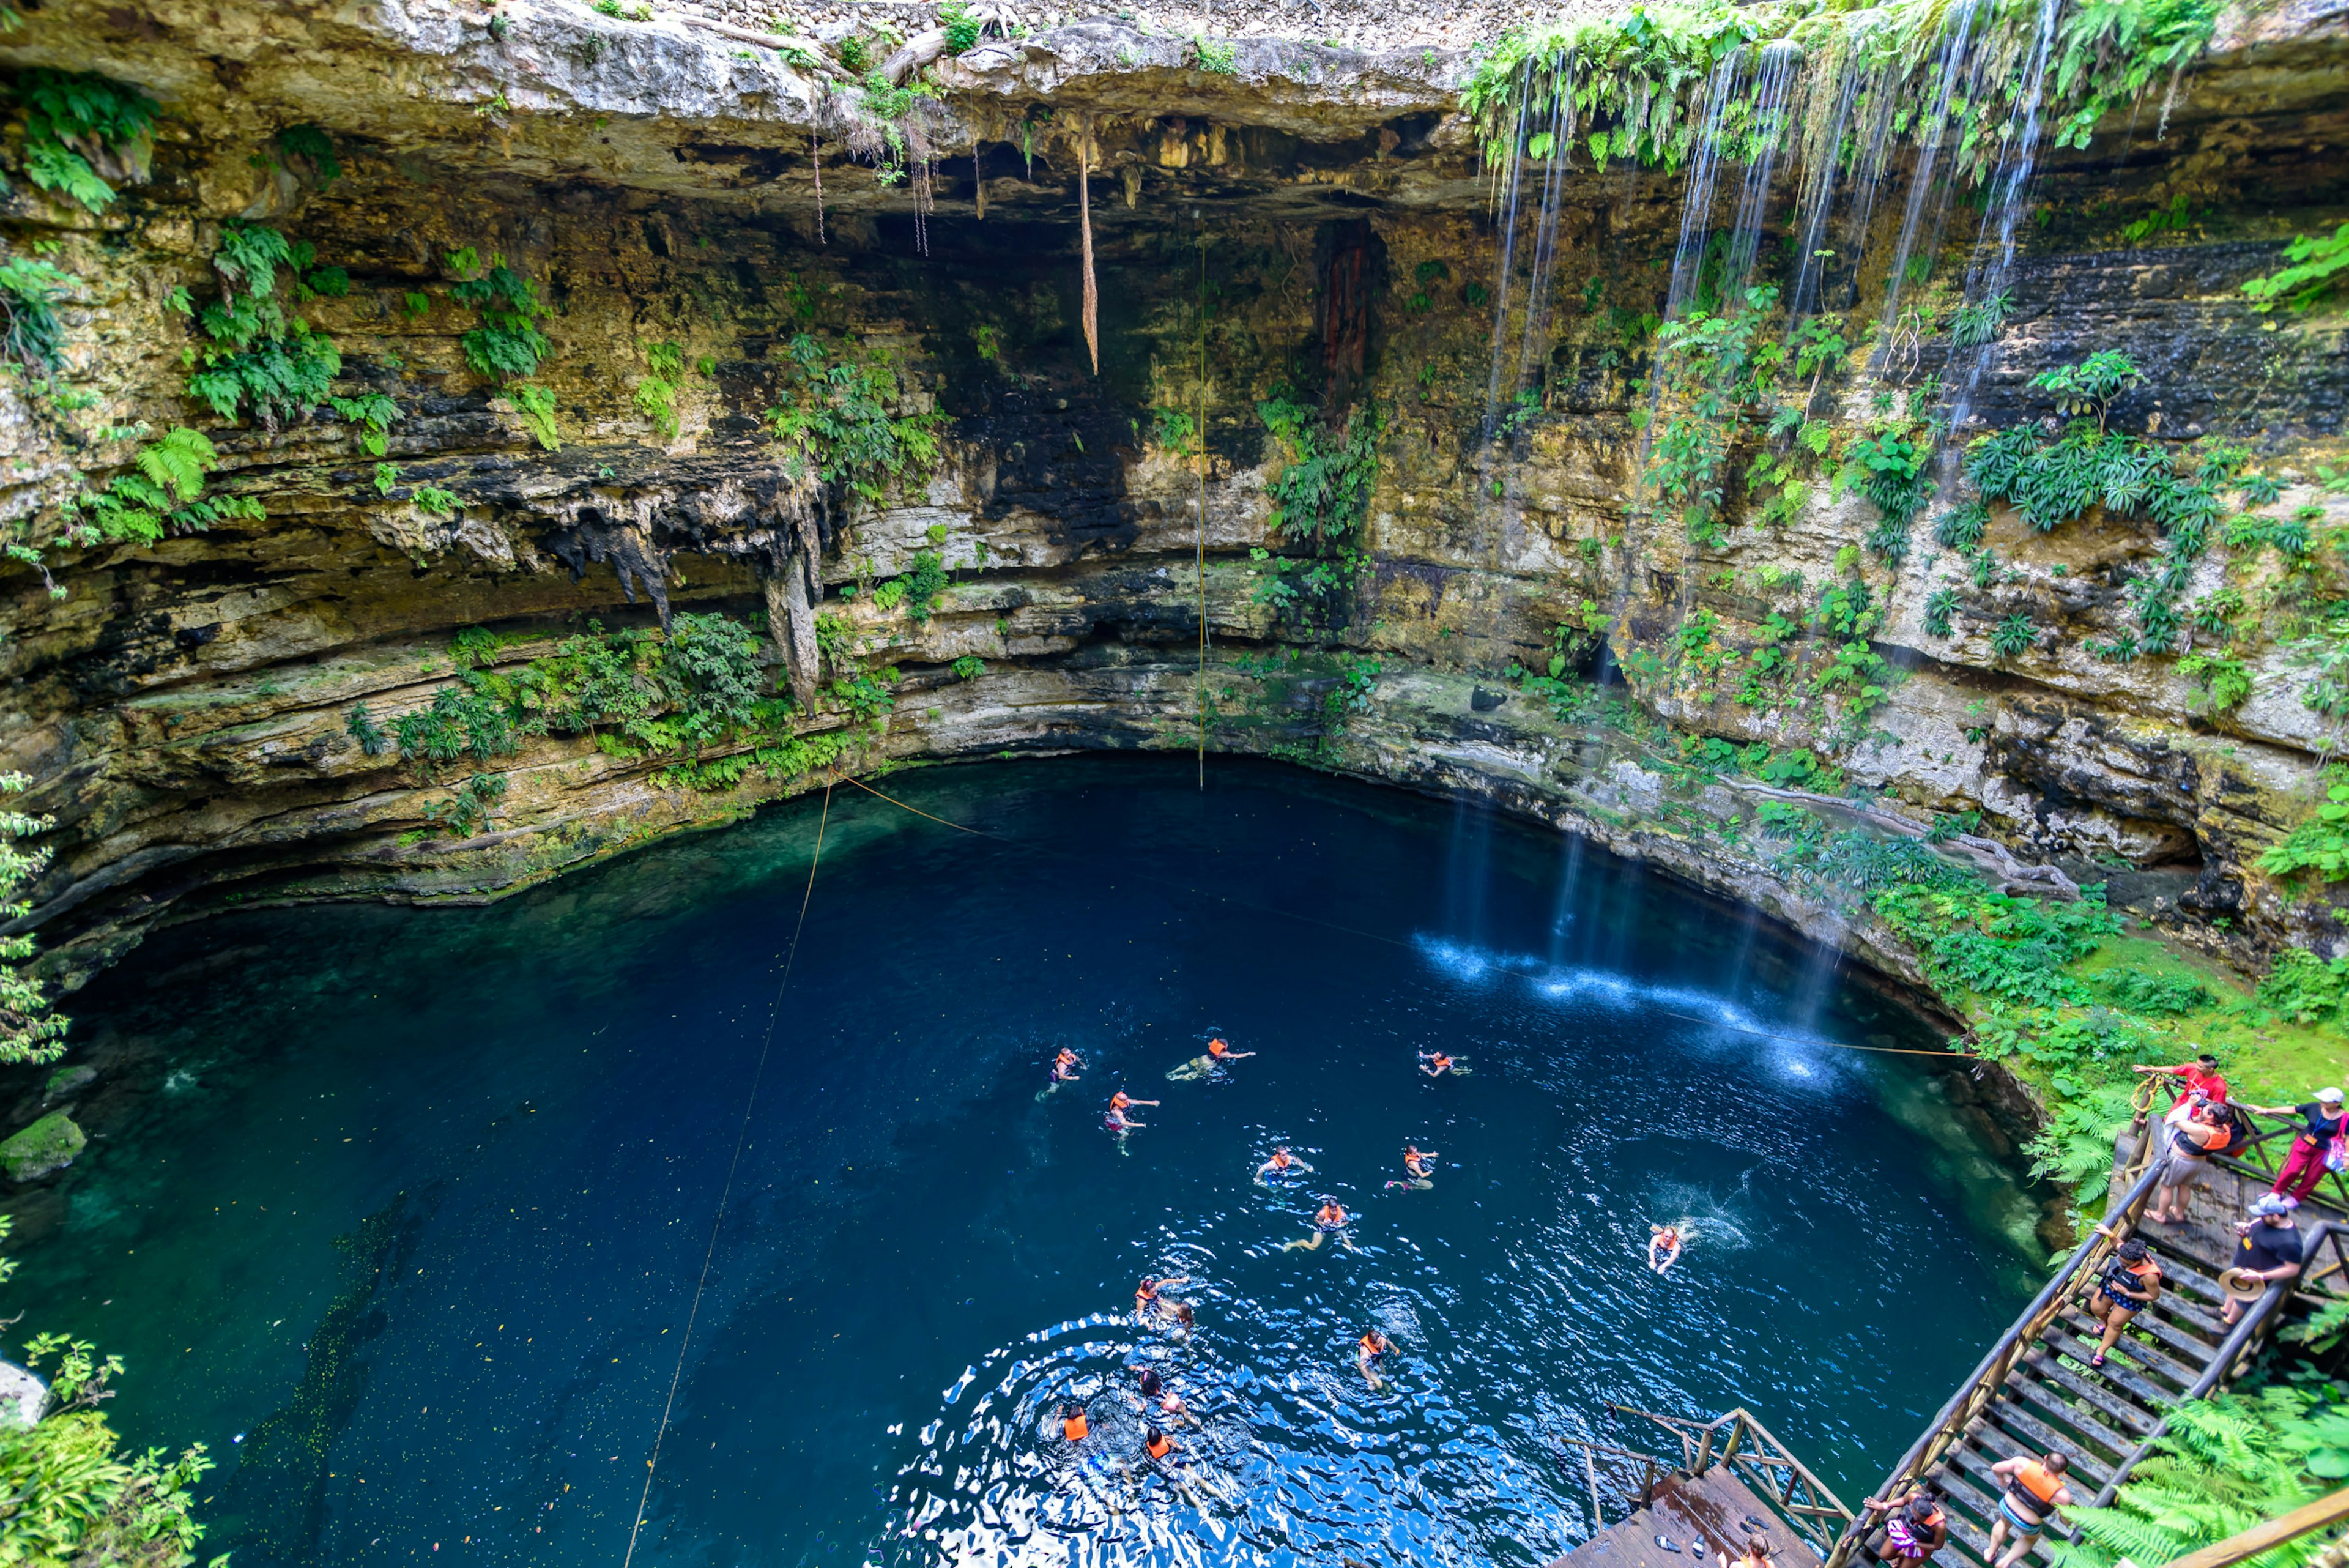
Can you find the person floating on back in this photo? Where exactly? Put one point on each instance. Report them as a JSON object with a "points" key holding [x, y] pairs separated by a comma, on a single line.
{"points": [[1435, 1064], [2131, 1283], [1915, 1527], [1330, 1220], [1280, 1166], [1663, 1246], [1419, 1168], [2035, 1491], [1367, 1354]]}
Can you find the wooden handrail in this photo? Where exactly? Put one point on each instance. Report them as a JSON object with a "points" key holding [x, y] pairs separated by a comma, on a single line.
{"points": [[2272, 1533], [1977, 1391], [1753, 1452]]}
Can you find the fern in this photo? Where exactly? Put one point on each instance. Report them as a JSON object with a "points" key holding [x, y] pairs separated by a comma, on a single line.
{"points": [[507, 346], [29, 290], [249, 257], [63, 108], [657, 400], [313, 147], [536, 404], [374, 411], [178, 461], [164, 496], [438, 502]]}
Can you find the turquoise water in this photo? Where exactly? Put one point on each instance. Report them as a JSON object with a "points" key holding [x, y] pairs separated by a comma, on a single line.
{"points": [[403, 1212]]}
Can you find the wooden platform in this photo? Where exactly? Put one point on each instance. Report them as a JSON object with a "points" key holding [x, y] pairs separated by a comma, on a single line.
{"points": [[1701, 1517]]}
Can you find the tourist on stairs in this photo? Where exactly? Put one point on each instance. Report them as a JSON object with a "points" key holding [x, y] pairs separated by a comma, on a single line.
{"points": [[2322, 1145], [2269, 1249], [2131, 1283], [1663, 1246], [1915, 1527], [2035, 1491], [2196, 1139], [1418, 1168]]}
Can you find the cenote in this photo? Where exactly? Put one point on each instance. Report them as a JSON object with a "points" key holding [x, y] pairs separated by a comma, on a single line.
{"points": [[409, 1217]]}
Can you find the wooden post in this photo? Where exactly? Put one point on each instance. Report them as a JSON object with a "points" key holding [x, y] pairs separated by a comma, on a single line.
{"points": [[1598, 1517]]}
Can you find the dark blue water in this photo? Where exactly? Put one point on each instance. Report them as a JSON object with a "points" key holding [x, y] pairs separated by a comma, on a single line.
{"points": [[404, 1211]]}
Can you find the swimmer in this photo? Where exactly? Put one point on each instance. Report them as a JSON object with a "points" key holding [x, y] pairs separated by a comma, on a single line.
{"points": [[1065, 1066], [1435, 1064], [1170, 1404], [1419, 1167], [1663, 1247], [1117, 1121], [1330, 1220], [1372, 1346], [1218, 1052], [1185, 1321], [1074, 1424], [1145, 1295], [1281, 1163]]}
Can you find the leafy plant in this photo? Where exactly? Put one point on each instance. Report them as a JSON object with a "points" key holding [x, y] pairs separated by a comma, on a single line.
{"points": [[1972, 326], [962, 28], [469, 807], [30, 1030], [849, 422], [31, 334], [1318, 504], [1938, 607], [432, 499], [2319, 844], [969, 667], [67, 112], [2014, 635], [2225, 682], [2316, 270], [2088, 388], [375, 413], [1214, 58], [163, 494], [536, 404], [507, 346], [312, 146]]}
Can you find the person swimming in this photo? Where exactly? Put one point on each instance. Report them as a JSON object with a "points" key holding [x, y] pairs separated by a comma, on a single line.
{"points": [[1146, 1302], [1368, 1351], [1418, 1166], [1219, 1052], [1330, 1220], [1663, 1246], [1435, 1064], [1279, 1167], [1065, 1066], [1073, 1426], [1117, 1120]]}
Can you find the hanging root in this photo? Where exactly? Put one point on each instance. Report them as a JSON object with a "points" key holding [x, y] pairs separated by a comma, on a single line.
{"points": [[1085, 222]]}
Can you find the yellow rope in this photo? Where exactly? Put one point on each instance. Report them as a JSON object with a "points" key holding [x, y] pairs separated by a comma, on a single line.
{"points": [[1366, 936], [774, 1011]]}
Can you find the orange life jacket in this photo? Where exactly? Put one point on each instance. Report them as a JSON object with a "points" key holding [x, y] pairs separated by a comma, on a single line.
{"points": [[1217, 1048], [1162, 1448], [1370, 1344], [1330, 1214], [1074, 1426], [2039, 1482]]}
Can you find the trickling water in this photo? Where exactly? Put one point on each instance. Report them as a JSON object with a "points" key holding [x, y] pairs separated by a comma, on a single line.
{"points": [[1705, 164], [1957, 78], [1781, 67]]}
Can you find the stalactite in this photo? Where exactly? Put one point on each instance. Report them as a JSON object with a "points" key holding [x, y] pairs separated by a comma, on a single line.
{"points": [[1085, 222], [977, 178], [815, 152]]}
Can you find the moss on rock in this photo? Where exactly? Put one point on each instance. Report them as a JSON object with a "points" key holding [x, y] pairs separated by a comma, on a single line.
{"points": [[50, 1144]]}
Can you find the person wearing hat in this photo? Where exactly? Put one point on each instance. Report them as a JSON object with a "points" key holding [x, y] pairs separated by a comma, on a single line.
{"points": [[2321, 1146], [2268, 1252]]}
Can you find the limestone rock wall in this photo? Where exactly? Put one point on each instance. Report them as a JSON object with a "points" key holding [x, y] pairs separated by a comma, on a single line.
{"points": [[1314, 222]]}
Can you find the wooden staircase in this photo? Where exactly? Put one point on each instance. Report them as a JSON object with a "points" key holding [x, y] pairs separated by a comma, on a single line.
{"points": [[2050, 1399]]}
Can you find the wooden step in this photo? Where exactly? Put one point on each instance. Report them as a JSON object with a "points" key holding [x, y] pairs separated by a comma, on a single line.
{"points": [[2053, 1402], [2111, 1401], [2119, 1370], [2010, 1439], [2152, 1360], [2035, 1437]]}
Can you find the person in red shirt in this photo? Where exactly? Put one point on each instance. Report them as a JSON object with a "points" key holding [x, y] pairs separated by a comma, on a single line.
{"points": [[2201, 1077]]}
